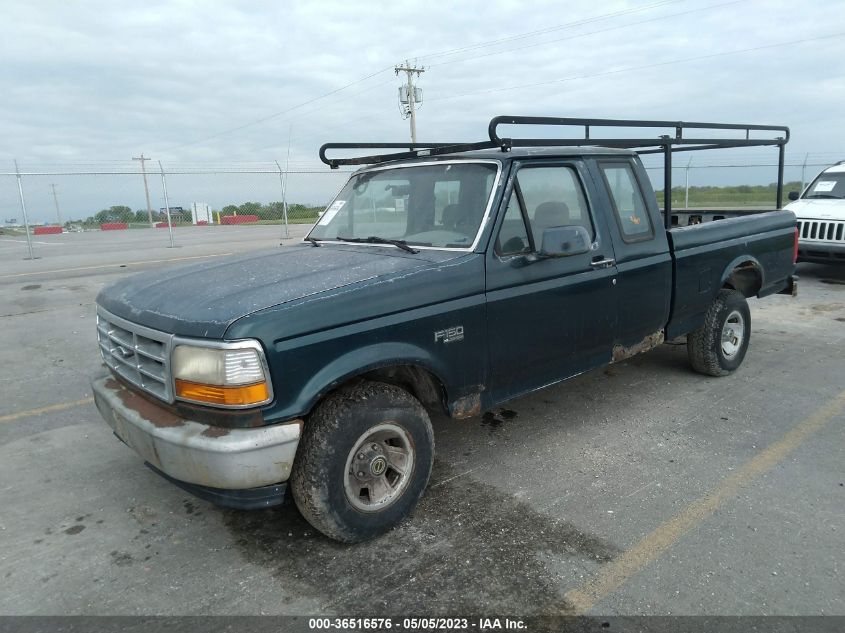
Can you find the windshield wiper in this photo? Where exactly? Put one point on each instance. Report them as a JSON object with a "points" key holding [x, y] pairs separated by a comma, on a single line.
{"points": [[314, 241], [823, 195], [374, 239]]}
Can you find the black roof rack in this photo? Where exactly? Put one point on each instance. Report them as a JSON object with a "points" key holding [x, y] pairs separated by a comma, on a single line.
{"points": [[667, 144]]}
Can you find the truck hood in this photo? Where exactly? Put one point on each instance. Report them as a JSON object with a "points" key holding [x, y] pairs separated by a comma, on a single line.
{"points": [[202, 300], [817, 209]]}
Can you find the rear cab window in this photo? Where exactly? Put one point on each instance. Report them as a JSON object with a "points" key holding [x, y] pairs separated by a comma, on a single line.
{"points": [[628, 204]]}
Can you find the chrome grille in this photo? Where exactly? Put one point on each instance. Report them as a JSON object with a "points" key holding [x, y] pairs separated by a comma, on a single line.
{"points": [[136, 353], [821, 230]]}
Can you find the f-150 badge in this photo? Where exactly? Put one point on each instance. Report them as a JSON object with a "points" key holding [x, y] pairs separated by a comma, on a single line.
{"points": [[450, 335]]}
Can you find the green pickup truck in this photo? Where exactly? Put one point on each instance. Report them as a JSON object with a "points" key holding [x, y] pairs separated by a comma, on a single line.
{"points": [[444, 278]]}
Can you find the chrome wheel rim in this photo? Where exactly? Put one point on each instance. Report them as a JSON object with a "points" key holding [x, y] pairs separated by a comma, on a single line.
{"points": [[733, 334], [379, 467]]}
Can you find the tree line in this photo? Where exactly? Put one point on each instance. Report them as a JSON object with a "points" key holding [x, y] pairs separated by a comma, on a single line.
{"points": [[266, 212]]}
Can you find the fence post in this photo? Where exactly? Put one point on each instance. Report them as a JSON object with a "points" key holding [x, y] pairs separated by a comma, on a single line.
{"points": [[166, 204], [284, 183], [803, 170], [23, 209], [686, 186]]}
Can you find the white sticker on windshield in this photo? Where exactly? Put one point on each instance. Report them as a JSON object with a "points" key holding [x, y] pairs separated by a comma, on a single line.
{"points": [[329, 213], [824, 185]]}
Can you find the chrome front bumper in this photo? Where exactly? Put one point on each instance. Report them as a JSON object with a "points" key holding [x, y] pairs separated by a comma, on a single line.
{"points": [[195, 452]]}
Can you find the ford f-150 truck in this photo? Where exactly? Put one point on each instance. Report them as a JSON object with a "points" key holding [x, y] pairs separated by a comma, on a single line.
{"points": [[445, 278]]}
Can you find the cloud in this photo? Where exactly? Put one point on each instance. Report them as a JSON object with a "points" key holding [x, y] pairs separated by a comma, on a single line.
{"points": [[105, 81]]}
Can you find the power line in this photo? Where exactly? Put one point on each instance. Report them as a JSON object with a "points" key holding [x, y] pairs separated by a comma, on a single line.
{"points": [[643, 67], [558, 27], [436, 54], [277, 114], [579, 35]]}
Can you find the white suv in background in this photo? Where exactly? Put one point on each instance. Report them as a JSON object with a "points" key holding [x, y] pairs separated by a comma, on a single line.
{"points": [[820, 210]]}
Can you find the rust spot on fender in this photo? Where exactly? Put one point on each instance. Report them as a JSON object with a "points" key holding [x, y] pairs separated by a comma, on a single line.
{"points": [[216, 431], [621, 352], [151, 412], [466, 407]]}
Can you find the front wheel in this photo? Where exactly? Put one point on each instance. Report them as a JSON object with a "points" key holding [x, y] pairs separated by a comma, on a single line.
{"points": [[364, 461], [718, 347]]}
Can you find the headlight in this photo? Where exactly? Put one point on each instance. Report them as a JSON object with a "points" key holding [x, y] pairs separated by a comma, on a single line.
{"points": [[229, 375]]}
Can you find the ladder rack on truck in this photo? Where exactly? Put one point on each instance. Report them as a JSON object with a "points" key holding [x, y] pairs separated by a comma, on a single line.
{"points": [[667, 144]]}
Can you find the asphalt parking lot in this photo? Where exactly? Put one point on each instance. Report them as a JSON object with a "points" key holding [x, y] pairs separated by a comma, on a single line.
{"points": [[642, 488]]}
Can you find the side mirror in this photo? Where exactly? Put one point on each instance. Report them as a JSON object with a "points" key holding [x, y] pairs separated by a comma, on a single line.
{"points": [[793, 195], [565, 241]]}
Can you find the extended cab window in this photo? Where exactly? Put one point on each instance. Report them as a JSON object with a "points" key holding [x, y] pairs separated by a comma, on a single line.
{"points": [[545, 197], [628, 203]]}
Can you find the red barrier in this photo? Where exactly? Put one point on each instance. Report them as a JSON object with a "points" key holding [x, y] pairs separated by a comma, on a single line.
{"points": [[114, 226], [202, 222], [238, 219], [47, 230], [161, 225]]}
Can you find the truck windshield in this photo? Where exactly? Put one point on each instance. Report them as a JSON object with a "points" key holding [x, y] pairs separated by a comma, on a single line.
{"points": [[827, 185], [439, 206]]}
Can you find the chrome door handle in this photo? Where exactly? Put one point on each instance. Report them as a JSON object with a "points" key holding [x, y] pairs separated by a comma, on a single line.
{"points": [[603, 263]]}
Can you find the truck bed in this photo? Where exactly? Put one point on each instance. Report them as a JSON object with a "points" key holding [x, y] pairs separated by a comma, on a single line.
{"points": [[706, 256]]}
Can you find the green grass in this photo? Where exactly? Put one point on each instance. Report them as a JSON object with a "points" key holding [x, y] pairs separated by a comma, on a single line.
{"points": [[736, 196]]}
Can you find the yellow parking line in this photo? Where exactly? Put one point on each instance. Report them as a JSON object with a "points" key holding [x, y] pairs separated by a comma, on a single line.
{"points": [[617, 572], [11, 417], [148, 261]]}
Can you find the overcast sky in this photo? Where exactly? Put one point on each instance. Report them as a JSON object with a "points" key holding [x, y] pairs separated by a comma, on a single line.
{"points": [[223, 83]]}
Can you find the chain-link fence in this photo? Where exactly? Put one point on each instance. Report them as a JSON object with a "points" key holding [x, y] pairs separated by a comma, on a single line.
{"points": [[123, 195], [144, 194]]}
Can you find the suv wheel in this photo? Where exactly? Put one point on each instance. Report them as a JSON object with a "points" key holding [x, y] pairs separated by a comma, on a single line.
{"points": [[718, 347], [363, 462]]}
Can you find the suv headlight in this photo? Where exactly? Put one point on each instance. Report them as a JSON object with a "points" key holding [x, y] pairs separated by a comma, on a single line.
{"points": [[232, 375]]}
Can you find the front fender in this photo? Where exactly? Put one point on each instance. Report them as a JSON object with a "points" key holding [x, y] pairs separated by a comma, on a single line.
{"points": [[305, 368], [365, 359]]}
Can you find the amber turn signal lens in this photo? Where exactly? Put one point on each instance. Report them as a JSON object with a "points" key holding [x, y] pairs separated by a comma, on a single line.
{"points": [[242, 395]]}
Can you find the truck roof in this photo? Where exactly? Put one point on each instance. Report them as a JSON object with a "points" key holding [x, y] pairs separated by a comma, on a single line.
{"points": [[515, 153]]}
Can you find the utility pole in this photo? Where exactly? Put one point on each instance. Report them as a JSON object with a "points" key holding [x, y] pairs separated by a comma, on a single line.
{"points": [[412, 95], [146, 188], [56, 200]]}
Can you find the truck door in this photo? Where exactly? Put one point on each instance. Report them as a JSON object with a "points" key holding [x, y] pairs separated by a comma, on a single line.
{"points": [[548, 319], [644, 288]]}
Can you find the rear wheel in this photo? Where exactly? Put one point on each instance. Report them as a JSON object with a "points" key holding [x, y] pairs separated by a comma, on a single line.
{"points": [[364, 461], [718, 347]]}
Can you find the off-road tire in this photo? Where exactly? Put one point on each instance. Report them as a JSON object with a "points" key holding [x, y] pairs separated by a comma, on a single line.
{"points": [[329, 437], [704, 345]]}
